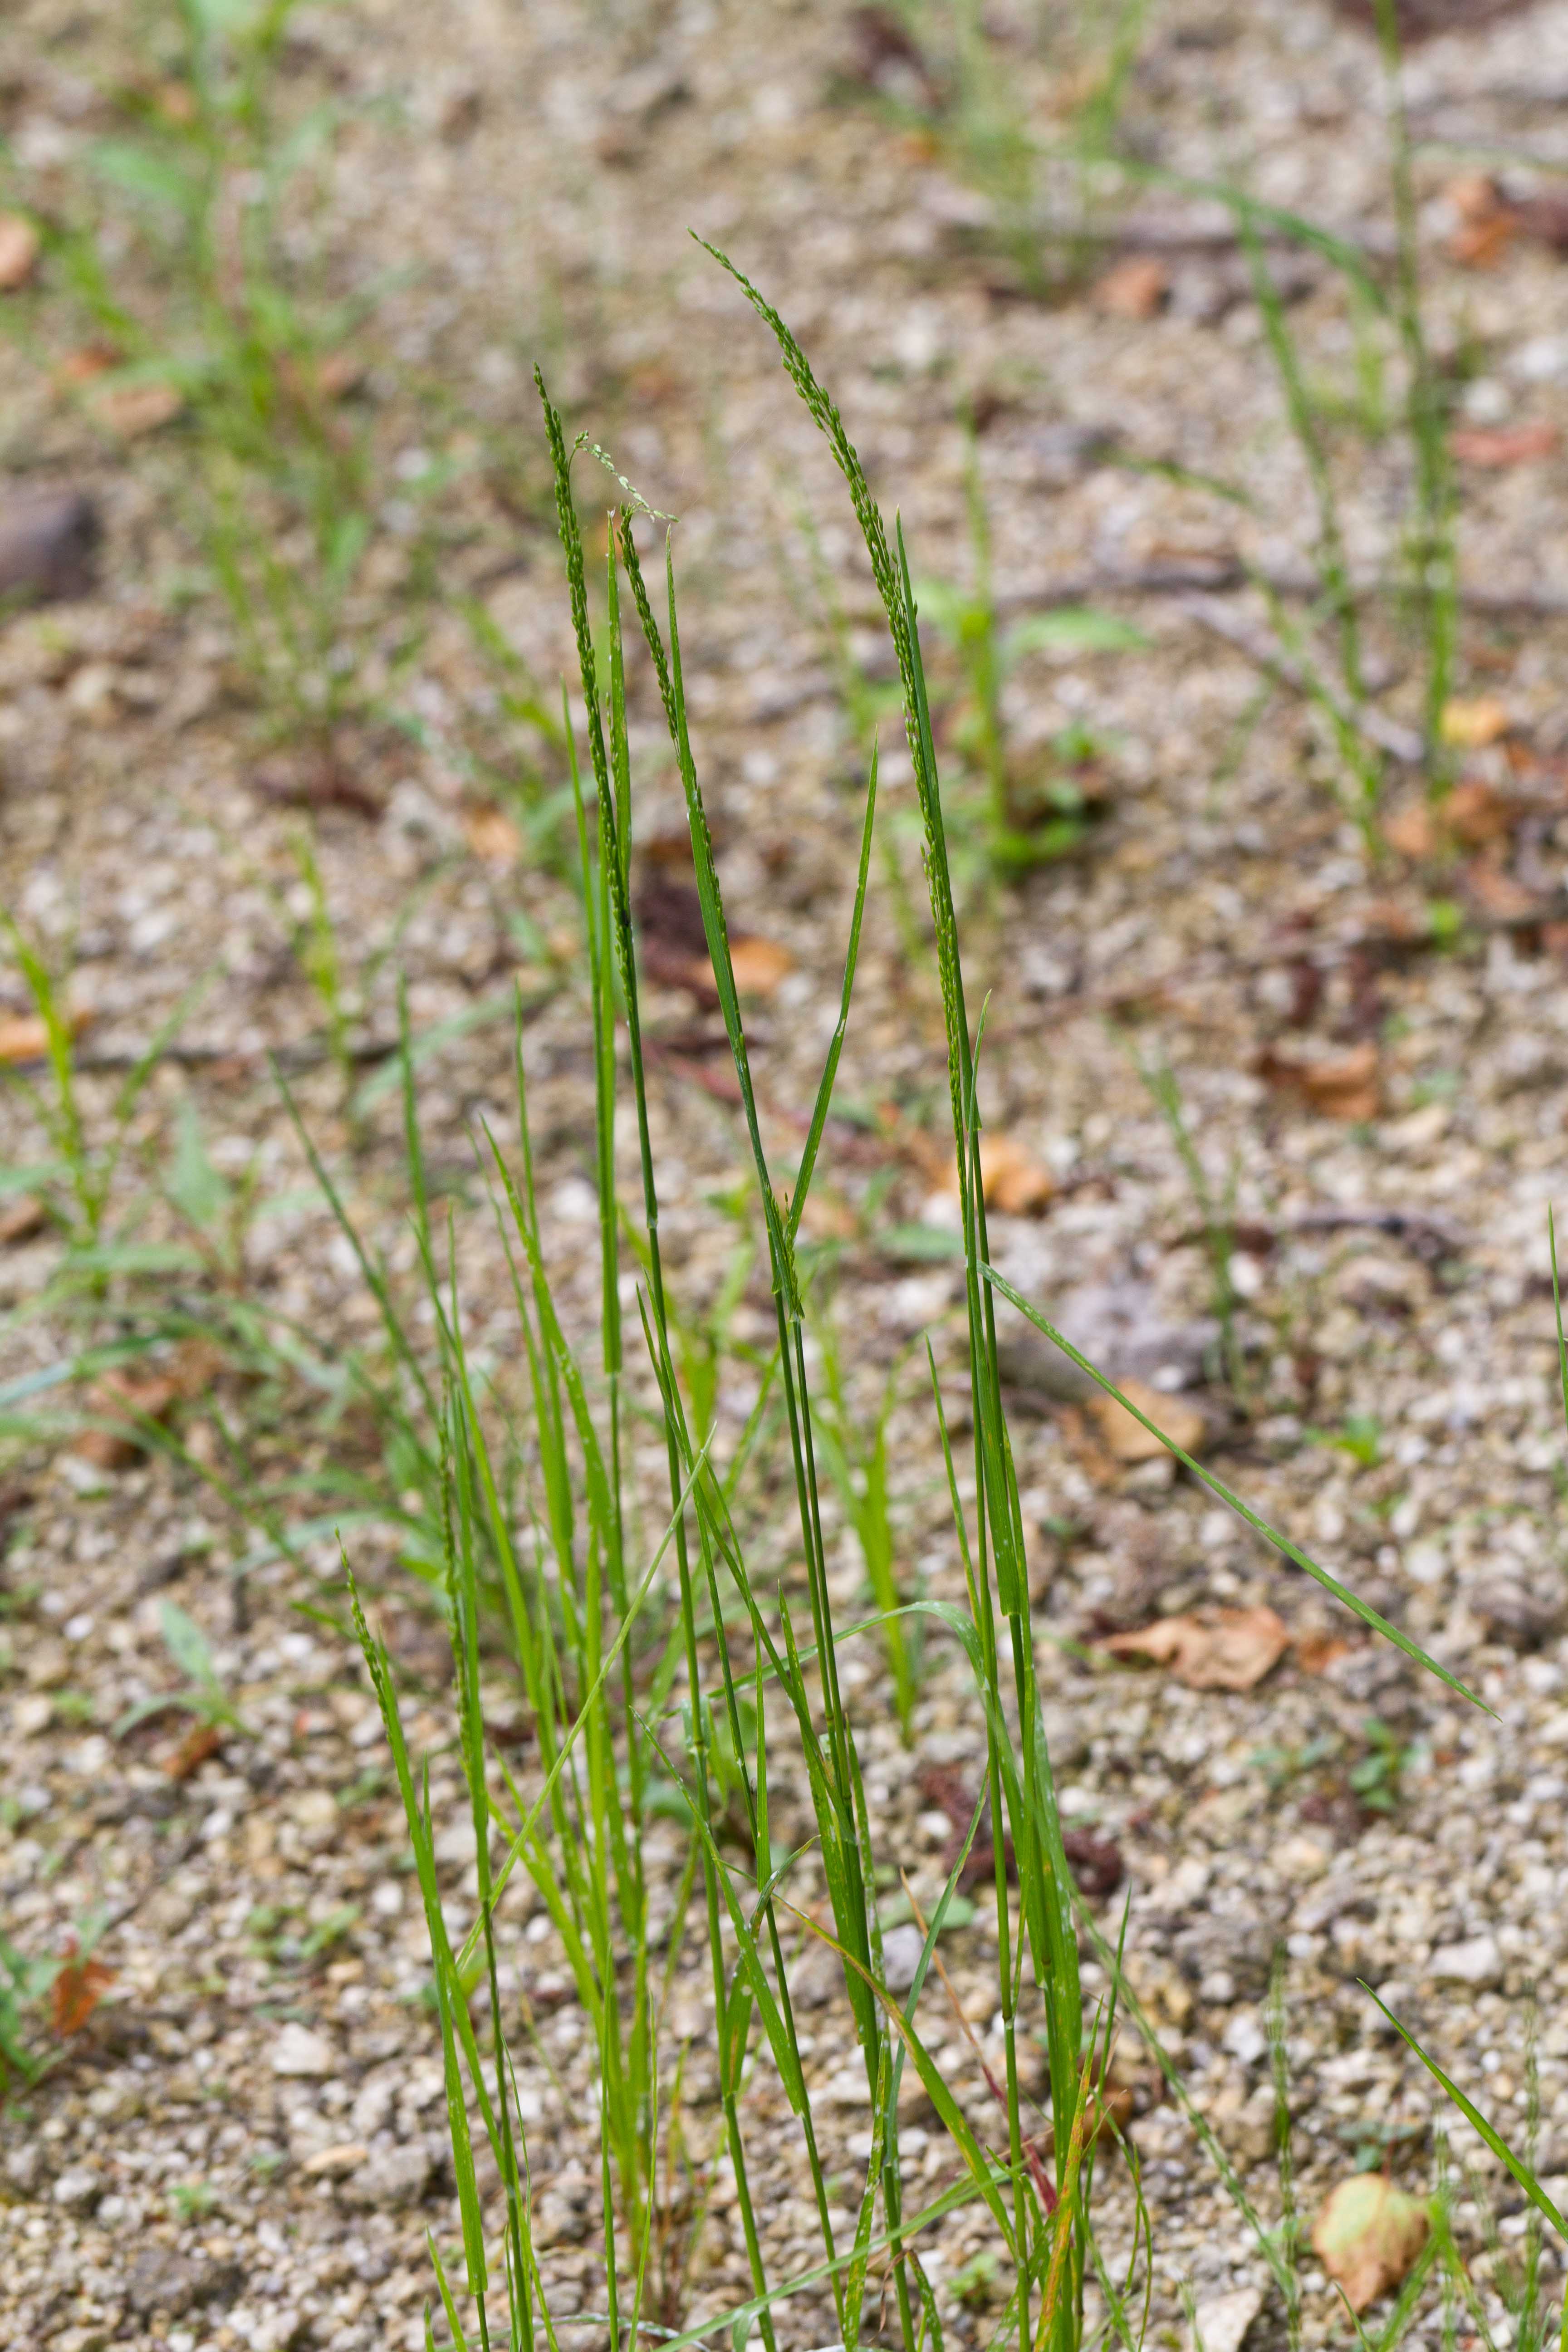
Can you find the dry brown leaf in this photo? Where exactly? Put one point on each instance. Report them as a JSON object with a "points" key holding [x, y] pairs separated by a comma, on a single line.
{"points": [[200, 1742], [1495, 445], [20, 1220], [88, 362], [1391, 919], [1317, 1651], [1012, 1179], [1410, 831], [133, 409], [1135, 288], [1342, 1085], [338, 374], [1368, 2234], [78, 1985], [759, 965], [1226, 1649], [1472, 815], [1475, 196], [1495, 891], [1125, 1435], [1474, 812], [492, 835], [1471, 725], [19, 250], [1487, 222], [141, 1393]]}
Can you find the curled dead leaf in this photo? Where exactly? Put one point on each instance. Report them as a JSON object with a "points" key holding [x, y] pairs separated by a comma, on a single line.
{"points": [[19, 250], [1125, 1434], [1223, 1649], [1368, 2234], [1471, 725], [1135, 288], [1340, 1085], [492, 835], [78, 1985]]}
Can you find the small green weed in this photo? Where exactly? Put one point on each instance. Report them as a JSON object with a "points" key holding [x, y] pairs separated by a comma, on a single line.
{"points": [[192, 2201], [204, 1695], [1377, 1780], [1359, 1436]]}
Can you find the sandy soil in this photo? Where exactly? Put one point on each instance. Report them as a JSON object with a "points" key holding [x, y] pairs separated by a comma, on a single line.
{"points": [[246, 2144]]}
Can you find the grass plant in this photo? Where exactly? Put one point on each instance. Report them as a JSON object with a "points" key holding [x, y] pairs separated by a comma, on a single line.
{"points": [[653, 1656]]}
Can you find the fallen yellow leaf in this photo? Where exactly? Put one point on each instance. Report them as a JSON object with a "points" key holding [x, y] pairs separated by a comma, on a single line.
{"points": [[1225, 1649], [1368, 2234], [1470, 726], [1125, 1435]]}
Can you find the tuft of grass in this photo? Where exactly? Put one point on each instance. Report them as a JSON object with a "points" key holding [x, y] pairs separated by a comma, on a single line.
{"points": [[662, 1673]]}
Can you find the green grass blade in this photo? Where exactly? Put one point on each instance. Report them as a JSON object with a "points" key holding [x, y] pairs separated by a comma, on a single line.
{"points": [[1478, 2124]]}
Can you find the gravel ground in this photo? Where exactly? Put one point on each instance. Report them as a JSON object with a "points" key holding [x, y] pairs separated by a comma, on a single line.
{"points": [[245, 2143]]}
